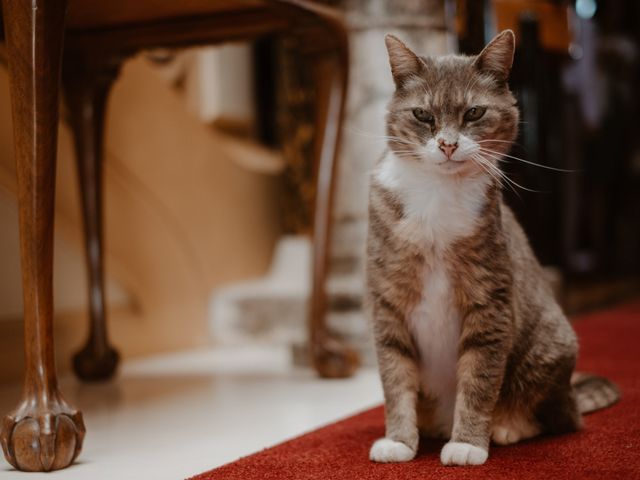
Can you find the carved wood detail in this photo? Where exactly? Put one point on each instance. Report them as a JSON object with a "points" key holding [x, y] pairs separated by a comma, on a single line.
{"points": [[44, 432]]}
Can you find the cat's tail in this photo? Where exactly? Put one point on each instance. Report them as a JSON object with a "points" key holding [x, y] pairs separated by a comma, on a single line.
{"points": [[593, 392]]}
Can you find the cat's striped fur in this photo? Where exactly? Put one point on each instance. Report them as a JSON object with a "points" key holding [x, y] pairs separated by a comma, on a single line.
{"points": [[471, 344]]}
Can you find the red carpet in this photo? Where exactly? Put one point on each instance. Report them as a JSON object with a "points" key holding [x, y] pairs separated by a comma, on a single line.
{"points": [[608, 447]]}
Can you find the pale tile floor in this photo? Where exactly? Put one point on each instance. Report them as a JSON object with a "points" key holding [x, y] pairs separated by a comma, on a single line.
{"points": [[177, 415]]}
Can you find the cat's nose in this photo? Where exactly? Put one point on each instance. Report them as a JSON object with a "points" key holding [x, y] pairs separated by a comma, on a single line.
{"points": [[447, 148]]}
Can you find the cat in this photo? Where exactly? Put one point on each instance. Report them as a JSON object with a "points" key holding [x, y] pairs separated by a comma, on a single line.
{"points": [[472, 346]]}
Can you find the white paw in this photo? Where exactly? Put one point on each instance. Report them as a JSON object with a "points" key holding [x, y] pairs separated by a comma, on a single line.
{"points": [[385, 450], [459, 453]]}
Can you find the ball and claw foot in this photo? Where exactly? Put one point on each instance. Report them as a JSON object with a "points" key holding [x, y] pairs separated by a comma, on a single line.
{"points": [[385, 450], [460, 453], [334, 359], [92, 366], [42, 443]]}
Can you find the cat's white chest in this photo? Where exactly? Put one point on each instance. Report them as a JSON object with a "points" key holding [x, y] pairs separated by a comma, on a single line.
{"points": [[438, 211], [434, 324]]}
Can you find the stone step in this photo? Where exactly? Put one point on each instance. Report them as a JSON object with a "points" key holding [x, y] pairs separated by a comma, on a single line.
{"points": [[274, 308]]}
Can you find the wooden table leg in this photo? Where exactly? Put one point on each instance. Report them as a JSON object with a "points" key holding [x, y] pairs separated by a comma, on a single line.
{"points": [[44, 432], [87, 79], [329, 56]]}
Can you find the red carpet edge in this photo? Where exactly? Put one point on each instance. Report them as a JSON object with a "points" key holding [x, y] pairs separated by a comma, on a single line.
{"points": [[607, 448]]}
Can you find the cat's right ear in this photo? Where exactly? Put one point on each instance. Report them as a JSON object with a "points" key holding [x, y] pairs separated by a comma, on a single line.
{"points": [[404, 63], [497, 57]]}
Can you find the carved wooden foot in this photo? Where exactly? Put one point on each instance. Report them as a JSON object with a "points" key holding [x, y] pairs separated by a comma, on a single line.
{"points": [[42, 436], [93, 366], [44, 432], [333, 358]]}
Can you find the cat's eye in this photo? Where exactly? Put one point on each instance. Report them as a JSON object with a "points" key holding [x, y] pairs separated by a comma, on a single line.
{"points": [[422, 115], [474, 113]]}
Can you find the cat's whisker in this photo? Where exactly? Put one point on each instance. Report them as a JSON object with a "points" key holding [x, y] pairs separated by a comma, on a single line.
{"points": [[484, 167], [409, 156], [492, 140], [494, 153], [488, 167], [465, 152], [404, 142], [427, 90], [510, 180], [494, 172], [498, 177], [406, 152], [496, 140], [365, 133], [406, 149], [384, 137], [397, 139], [512, 183], [471, 85], [466, 88]]}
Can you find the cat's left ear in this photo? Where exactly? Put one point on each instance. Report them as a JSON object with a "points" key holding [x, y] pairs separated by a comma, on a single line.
{"points": [[404, 63], [497, 56]]}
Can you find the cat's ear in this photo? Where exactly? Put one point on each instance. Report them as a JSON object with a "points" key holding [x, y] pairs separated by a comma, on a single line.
{"points": [[404, 63], [497, 56]]}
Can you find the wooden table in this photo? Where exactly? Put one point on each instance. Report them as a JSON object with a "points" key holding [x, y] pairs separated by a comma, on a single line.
{"points": [[84, 43]]}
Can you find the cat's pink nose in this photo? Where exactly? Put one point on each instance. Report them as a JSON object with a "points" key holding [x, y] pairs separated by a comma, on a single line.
{"points": [[447, 148]]}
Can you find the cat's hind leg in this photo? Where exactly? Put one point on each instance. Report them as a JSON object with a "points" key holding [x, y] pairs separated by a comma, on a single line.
{"points": [[511, 427], [559, 413]]}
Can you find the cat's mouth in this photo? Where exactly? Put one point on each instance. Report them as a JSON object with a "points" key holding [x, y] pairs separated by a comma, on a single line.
{"points": [[454, 166]]}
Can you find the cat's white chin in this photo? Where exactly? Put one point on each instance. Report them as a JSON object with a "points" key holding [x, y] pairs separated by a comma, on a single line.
{"points": [[454, 167]]}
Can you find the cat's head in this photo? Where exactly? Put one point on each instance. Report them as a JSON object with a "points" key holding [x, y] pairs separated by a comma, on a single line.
{"points": [[454, 114]]}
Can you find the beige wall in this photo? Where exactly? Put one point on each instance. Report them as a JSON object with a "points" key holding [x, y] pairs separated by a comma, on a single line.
{"points": [[181, 217]]}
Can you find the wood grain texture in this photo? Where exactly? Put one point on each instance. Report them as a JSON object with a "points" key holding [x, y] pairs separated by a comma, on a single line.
{"points": [[322, 37], [87, 80], [92, 14], [332, 358], [44, 432]]}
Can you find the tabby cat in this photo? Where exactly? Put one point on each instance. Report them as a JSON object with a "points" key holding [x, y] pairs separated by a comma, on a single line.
{"points": [[472, 345]]}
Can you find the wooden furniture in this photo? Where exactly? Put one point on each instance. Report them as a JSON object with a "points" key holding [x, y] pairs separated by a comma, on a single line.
{"points": [[45, 432]]}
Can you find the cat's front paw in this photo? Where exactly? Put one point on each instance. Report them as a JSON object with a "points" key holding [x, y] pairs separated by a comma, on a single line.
{"points": [[460, 453], [385, 450]]}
